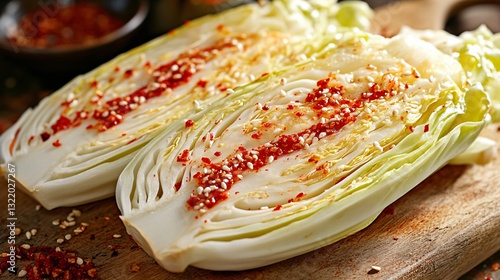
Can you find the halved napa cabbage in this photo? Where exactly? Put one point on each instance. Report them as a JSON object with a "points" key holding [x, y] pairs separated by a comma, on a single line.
{"points": [[71, 148], [478, 52], [300, 158]]}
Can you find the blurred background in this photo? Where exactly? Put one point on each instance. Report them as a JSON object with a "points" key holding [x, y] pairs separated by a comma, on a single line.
{"points": [[22, 85]]}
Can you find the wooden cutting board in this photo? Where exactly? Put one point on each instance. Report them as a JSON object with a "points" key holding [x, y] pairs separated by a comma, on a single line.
{"points": [[439, 230]]}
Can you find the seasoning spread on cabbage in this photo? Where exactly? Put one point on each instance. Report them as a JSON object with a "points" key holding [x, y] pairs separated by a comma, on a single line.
{"points": [[71, 148], [299, 158]]}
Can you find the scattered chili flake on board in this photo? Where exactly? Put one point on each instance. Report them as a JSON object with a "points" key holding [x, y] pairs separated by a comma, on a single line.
{"points": [[52, 262]]}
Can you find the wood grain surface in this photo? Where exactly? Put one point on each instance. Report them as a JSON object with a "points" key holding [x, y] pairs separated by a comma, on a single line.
{"points": [[440, 230]]}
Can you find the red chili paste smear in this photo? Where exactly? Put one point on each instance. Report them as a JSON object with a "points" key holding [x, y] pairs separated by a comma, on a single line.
{"points": [[166, 78], [218, 178]]}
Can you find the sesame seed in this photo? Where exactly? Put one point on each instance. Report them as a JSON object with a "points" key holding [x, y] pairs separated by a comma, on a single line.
{"points": [[283, 93], [268, 145], [79, 261], [58, 249], [264, 207], [240, 176], [142, 99], [230, 91], [270, 159], [22, 273], [321, 135], [239, 157], [77, 231], [70, 218], [199, 190], [253, 152], [123, 103], [259, 106], [117, 236], [105, 114], [37, 207], [28, 235], [207, 190], [70, 97], [60, 241], [26, 246], [250, 165], [133, 106], [67, 236], [226, 168], [84, 224], [73, 103], [376, 268], [174, 67], [203, 210], [197, 105], [17, 231], [223, 185], [34, 232]]}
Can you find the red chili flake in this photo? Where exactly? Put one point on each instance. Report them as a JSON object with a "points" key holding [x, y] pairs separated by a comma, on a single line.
{"points": [[147, 65], [278, 207], [57, 143], [220, 27], [267, 124], [31, 139], [426, 128], [498, 128], [299, 114], [128, 73], [184, 156], [177, 186], [265, 107], [289, 107], [117, 69], [45, 136], [395, 238], [257, 135], [201, 83], [265, 74], [93, 84], [411, 128], [132, 140], [217, 154], [206, 160], [189, 123], [62, 123], [89, 126]]}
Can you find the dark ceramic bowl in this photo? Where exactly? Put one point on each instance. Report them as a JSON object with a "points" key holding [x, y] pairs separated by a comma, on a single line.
{"points": [[66, 59]]}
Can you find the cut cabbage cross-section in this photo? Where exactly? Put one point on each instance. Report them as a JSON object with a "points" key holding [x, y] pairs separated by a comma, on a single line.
{"points": [[71, 148], [300, 158]]}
